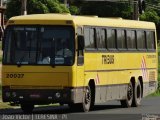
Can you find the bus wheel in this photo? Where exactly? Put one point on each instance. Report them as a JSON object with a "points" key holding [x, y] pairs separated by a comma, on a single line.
{"points": [[87, 99], [137, 96], [86, 103], [27, 107], [128, 101]]}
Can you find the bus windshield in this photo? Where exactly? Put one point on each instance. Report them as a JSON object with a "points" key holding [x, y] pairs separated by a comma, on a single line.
{"points": [[28, 45]]}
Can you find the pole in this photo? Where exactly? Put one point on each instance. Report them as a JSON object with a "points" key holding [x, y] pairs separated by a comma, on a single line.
{"points": [[24, 7], [135, 10], [2, 27], [66, 3], [1, 3]]}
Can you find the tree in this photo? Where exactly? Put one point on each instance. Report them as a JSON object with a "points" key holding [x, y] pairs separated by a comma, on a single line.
{"points": [[150, 15], [106, 9], [13, 8], [152, 12], [74, 10], [35, 7]]}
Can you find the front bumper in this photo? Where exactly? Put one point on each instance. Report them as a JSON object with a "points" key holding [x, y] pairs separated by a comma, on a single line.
{"points": [[43, 96], [38, 96]]}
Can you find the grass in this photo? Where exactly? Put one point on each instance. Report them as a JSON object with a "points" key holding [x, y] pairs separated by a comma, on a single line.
{"points": [[0, 59], [0, 49], [5, 105], [1, 45], [0, 62], [0, 91]]}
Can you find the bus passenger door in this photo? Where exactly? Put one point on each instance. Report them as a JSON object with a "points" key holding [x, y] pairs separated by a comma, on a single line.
{"points": [[80, 68], [80, 76]]}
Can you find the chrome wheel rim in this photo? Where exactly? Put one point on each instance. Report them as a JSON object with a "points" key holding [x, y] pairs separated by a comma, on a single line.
{"points": [[130, 93], [87, 96]]}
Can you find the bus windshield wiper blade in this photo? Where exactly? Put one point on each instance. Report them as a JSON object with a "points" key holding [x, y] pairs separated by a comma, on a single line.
{"points": [[20, 61]]}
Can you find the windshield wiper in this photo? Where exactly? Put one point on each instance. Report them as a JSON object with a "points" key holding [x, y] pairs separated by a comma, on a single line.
{"points": [[19, 63]]}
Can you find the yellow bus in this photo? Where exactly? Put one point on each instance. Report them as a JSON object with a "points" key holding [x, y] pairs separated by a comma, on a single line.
{"points": [[78, 60]]}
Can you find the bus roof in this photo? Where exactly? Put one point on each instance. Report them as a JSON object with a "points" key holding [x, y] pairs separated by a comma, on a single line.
{"points": [[67, 19]]}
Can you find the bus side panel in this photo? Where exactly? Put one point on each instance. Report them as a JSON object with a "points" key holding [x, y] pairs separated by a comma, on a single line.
{"points": [[112, 78]]}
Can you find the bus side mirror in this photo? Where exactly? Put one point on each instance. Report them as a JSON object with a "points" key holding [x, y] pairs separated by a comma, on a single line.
{"points": [[80, 42]]}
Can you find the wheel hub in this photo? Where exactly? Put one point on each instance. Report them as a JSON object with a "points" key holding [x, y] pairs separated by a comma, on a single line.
{"points": [[87, 97], [130, 92]]}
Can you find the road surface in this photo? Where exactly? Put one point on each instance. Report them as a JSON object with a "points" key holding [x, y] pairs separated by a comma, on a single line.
{"points": [[108, 111]]}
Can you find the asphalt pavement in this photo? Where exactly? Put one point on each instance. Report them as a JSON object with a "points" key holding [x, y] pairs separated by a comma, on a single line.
{"points": [[111, 110]]}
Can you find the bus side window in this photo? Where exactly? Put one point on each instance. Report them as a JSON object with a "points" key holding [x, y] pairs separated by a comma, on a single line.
{"points": [[86, 37], [131, 40], [141, 42], [150, 40], [89, 36], [79, 31], [101, 39], [111, 39], [121, 40]]}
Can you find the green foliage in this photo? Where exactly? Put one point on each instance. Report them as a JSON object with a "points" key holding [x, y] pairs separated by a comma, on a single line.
{"points": [[13, 8], [159, 66], [153, 1], [74, 10], [152, 12], [157, 93], [35, 7], [150, 15], [108, 9], [0, 90]]}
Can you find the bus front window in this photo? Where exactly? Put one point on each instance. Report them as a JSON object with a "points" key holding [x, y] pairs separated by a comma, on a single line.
{"points": [[28, 45]]}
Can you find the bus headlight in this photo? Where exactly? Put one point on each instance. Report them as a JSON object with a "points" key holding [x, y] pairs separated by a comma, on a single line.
{"points": [[58, 95]]}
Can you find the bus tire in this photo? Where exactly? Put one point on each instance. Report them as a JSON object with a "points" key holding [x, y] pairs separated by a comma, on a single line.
{"points": [[92, 87], [129, 98], [27, 107], [137, 96], [86, 104]]}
